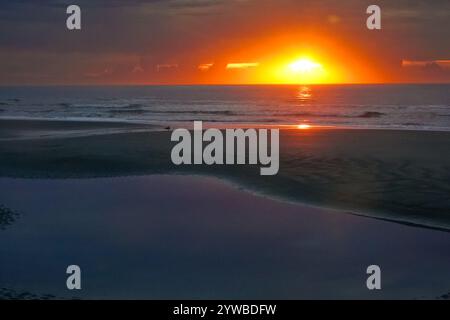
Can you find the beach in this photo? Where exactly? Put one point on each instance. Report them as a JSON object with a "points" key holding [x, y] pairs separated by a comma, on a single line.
{"points": [[241, 152], [143, 228], [397, 175]]}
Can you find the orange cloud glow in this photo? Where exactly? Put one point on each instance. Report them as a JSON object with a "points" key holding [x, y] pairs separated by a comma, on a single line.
{"points": [[242, 65], [421, 63], [205, 66]]}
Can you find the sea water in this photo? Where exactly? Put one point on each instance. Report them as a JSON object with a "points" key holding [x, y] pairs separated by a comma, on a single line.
{"points": [[416, 107]]}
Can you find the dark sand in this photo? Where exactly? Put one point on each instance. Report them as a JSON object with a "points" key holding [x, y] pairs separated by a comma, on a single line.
{"points": [[396, 175]]}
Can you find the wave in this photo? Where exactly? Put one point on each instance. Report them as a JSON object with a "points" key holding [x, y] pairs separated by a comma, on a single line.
{"points": [[127, 111], [371, 114], [135, 105], [367, 114], [217, 112], [412, 124], [64, 104], [130, 109], [230, 120]]}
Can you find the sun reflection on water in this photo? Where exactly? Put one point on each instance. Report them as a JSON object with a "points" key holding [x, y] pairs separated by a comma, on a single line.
{"points": [[304, 94]]}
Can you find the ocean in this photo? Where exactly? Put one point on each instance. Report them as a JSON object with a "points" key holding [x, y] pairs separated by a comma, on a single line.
{"points": [[415, 107]]}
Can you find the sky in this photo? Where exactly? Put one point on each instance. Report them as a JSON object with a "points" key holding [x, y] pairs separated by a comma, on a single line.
{"points": [[223, 42]]}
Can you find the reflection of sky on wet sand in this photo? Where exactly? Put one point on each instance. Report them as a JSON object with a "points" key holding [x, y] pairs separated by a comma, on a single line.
{"points": [[193, 237]]}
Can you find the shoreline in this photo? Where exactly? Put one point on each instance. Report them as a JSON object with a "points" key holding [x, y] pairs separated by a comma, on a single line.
{"points": [[399, 176], [161, 126], [237, 186], [25, 129]]}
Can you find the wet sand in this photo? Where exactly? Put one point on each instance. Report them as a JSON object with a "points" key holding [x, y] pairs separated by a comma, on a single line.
{"points": [[141, 227], [36, 129], [401, 176]]}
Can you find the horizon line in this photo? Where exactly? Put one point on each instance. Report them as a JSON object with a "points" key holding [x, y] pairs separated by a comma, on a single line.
{"points": [[216, 84]]}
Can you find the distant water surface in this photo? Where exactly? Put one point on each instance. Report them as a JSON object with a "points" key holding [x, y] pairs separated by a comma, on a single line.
{"points": [[424, 107]]}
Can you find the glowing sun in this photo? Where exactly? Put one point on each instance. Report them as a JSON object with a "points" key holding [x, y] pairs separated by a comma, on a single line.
{"points": [[303, 70], [304, 66], [303, 126]]}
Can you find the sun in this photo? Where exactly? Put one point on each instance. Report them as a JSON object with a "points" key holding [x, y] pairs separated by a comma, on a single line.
{"points": [[304, 66], [297, 68], [301, 70]]}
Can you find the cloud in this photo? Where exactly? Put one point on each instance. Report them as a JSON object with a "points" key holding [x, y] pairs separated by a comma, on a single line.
{"points": [[105, 72], [242, 65], [205, 66], [166, 66], [426, 63]]}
